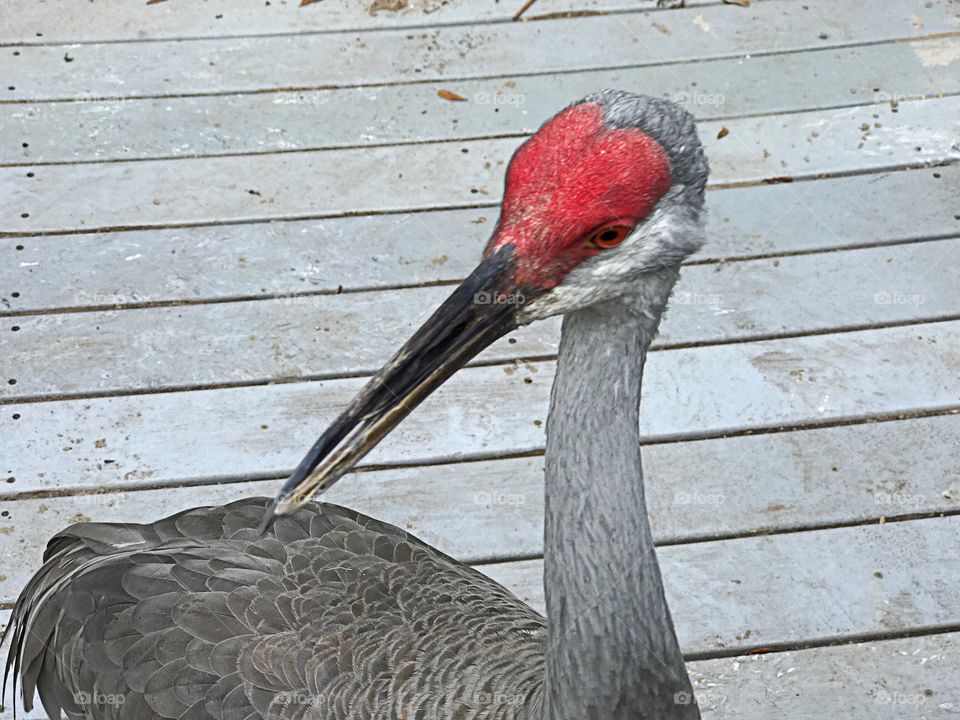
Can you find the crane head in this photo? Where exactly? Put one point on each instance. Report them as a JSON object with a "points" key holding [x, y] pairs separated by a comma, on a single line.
{"points": [[608, 190]]}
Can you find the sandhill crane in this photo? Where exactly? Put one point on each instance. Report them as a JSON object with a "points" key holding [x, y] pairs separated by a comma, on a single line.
{"points": [[321, 612]]}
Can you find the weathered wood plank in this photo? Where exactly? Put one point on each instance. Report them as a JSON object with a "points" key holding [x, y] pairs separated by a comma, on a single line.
{"points": [[390, 179], [758, 591], [329, 336], [290, 257], [343, 59], [220, 124], [889, 680], [493, 510], [262, 431], [868, 681], [47, 21]]}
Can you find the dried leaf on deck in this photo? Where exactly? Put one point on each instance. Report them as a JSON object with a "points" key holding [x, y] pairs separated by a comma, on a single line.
{"points": [[378, 6], [452, 96], [723, 133]]}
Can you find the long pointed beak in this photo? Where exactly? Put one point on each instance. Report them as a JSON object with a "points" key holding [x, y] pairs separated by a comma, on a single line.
{"points": [[482, 309]]}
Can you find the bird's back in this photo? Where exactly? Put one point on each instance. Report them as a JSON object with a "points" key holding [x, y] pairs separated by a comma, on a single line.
{"points": [[331, 614]]}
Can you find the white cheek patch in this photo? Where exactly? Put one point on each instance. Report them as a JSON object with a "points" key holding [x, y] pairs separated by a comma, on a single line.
{"points": [[561, 299], [663, 241]]}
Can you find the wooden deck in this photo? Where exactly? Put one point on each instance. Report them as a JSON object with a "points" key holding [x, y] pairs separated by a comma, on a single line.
{"points": [[217, 218]]}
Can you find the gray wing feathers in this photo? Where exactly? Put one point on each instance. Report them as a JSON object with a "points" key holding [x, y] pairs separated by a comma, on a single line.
{"points": [[330, 615]]}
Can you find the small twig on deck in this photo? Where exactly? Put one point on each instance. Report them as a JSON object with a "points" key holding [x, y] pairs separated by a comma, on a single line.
{"points": [[521, 11]]}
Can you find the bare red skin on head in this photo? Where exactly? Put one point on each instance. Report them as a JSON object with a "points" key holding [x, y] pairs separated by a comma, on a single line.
{"points": [[571, 178]]}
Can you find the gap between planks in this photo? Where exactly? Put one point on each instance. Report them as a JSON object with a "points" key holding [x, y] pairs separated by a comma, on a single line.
{"points": [[513, 360], [144, 427], [735, 166], [544, 91], [893, 243], [725, 39], [773, 180], [506, 19], [689, 573], [141, 485], [834, 641], [760, 531], [443, 141], [734, 218], [464, 78]]}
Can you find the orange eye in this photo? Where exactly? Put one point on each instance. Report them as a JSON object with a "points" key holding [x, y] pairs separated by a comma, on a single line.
{"points": [[610, 236]]}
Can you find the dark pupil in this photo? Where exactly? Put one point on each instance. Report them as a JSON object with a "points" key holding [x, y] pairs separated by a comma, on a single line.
{"points": [[609, 235]]}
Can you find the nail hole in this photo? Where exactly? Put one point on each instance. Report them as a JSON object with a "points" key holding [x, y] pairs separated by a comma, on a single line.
{"points": [[12, 381], [24, 215], [12, 87], [29, 174], [16, 52], [16, 416], [26, 145], [14, 294], [5, 513], [19, 247], [11, 479], [15, 328]]}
